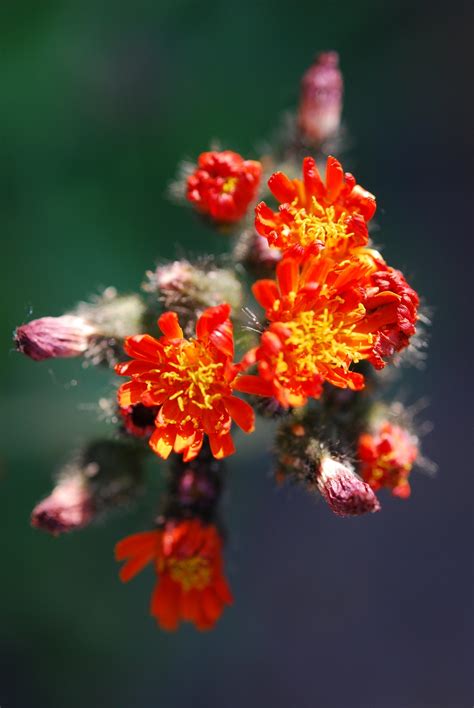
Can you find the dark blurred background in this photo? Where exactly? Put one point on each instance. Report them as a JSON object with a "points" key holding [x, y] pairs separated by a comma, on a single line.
{"points": [[99, 101]]}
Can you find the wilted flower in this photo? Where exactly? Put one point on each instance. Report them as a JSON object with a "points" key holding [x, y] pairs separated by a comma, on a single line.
{"points": [[191, 381], [187, 556], [345, 493], [387, 455], [319, 113], [54, 337], [224, 185]]}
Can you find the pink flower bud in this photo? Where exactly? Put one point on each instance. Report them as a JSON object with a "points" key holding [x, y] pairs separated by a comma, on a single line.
{"points": [[68, 507], [55, 337], [320, 106], [346, 494]]}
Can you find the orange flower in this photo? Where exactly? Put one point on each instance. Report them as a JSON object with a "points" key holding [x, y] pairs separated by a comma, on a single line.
{"points": [[387, 456], [394, 317], [319, 327], [191, 381], [188, 561], [313, 215], [223, 185]]}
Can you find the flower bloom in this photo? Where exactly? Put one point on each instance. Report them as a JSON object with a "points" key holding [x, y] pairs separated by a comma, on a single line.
{"points": [[54, 337], [223, 185], [319, 327], [315, 215], [191, 381], [387, 456], [319, 113], [187, 556], [345, 493], [392, 306]]}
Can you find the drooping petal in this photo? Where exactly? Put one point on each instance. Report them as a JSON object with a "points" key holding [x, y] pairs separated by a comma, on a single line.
{"points": [[169, 325], [241, 412]]}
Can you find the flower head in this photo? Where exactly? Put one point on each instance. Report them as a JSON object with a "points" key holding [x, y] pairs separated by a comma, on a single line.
{"points": [[54, 337], [387, 455], [320, 108], [191, 381], [318, 329], [346, 494], [223, 185], [314, 215], [187, 556], [392, 307]]}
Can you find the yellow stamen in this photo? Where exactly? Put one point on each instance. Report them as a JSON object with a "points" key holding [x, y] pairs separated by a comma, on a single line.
{"points": [[190, 573], [229, 185]]}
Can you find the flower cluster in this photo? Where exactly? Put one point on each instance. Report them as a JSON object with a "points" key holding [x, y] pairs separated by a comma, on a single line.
{"points": [[333, 313]]}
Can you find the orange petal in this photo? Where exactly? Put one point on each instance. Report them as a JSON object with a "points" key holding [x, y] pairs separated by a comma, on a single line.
{"points": [[143, 346], [241, 412], [313, 183], [169, 325], [193, 450], [253, 385], [221, 445], [162, 442], [287, 275], [265, 293], [282, 187], [165, 602], [137, 543], [130, 393], [334, 179]]}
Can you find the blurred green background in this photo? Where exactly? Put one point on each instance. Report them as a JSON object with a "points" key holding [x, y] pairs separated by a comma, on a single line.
{"points": [[99, 101]]}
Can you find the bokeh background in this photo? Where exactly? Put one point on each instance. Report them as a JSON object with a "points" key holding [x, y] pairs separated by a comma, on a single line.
{"points": [[99, 100]]}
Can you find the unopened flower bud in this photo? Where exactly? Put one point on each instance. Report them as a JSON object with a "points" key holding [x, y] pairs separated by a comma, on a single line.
{"points": [[253, 251], [345, 493], [54, 337], [104, 475], [320, 108], [194, 487], [189, 289], [69, 507]]}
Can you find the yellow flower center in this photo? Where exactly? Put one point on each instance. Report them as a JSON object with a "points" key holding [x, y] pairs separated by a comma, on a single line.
{"points": [[193, 373], [322, 340], [190, 573], [318, 224], [229, 185]]}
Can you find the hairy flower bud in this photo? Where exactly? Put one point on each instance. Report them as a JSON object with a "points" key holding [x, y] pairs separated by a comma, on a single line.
{"points": [[54, 337], [188, 289], [345, 493], [320, 106], [104, 475], [253, 251], [69, 507], [94, 329], [194, 488]]}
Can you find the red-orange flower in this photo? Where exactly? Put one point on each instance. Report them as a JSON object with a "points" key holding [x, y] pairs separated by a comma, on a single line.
{"points": [[223, 185], [314, 215], [387, 455], [191, 381], [319, 326], [187, 556], [394, 318]]}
